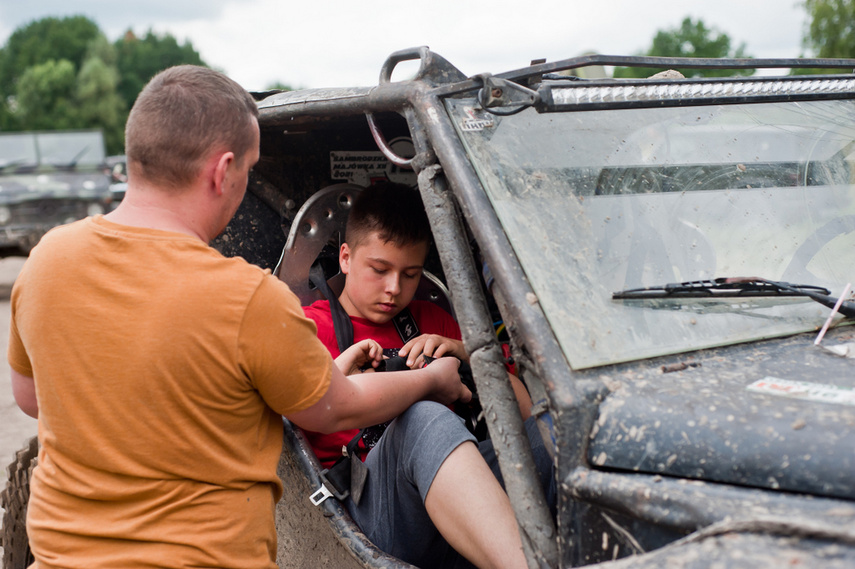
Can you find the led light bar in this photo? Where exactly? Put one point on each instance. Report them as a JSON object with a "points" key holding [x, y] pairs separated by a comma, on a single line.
{"points": [[561, 97]]}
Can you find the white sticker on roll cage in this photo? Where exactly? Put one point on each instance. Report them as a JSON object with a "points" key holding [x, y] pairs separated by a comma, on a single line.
{"points": [[366, 166], [478, 120]]}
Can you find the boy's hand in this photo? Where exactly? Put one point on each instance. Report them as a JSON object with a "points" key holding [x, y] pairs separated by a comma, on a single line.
{"points": [[447, 385], [432, 345], [359, 355]]}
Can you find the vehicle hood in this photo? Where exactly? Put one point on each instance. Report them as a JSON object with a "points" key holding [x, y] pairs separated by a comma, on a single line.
{"points": [[778, 414], [24, 187]]}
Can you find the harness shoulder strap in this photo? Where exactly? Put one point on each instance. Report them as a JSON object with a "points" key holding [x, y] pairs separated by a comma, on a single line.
{"points": [[406, 325], [341, 321]]}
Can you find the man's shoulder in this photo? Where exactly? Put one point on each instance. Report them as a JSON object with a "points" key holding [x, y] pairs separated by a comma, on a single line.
{"points": [[62, 233]]}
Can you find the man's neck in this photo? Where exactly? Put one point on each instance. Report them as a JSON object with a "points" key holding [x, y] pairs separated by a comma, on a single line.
{"points": [[157, 209]]}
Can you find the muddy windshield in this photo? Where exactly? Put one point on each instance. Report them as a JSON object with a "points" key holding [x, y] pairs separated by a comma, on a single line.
{"points": [[595, 202]]}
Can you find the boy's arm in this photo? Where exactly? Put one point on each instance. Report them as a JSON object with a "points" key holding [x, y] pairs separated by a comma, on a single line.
{"points": [[372, 398], [436, 346]]}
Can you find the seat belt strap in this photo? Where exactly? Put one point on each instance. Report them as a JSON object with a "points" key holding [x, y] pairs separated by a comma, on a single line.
{"points": [[406, 325], [341, 321]]}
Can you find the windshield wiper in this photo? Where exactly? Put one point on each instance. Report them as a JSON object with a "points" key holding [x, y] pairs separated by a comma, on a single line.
{"points": [[11, 163], [73, 164], [736, 287]]}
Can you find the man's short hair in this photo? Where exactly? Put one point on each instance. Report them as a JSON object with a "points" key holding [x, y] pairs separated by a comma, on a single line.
{"points": [[181, 116], [394, 211]]}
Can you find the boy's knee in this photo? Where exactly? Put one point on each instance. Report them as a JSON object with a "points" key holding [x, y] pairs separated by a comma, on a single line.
{"points": [[423, 413], [423, 436]]}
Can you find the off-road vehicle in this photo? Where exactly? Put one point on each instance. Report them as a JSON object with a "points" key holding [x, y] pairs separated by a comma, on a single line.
{"points": [[667, 262], [46, 179]]}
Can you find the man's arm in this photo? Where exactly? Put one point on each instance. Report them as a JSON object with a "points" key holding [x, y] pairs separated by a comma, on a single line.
{"points": [[371, 398], [24, 391]]}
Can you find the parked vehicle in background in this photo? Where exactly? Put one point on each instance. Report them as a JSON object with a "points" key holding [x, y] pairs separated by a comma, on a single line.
{"points": [[117, 168], [47, 179]]}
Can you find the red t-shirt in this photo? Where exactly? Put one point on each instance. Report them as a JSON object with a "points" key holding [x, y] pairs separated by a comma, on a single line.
{"points": [[431, 320]]}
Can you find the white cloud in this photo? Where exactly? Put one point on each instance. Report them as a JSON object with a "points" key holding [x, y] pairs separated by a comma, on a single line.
{"points": [[343, 43]]}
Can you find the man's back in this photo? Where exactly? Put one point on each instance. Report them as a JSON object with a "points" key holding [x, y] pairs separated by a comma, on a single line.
{"points": [[154, 438]]}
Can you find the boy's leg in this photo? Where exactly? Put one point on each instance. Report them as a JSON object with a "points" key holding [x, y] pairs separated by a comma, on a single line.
{"points": [[401, 469], [471, 509], [427, 466]]}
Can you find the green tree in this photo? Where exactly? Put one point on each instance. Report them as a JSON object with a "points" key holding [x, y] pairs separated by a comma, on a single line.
{"points": [[44, 96], [40, 41], [64, 73], [278, 86], [99, 104], [691, 39], [831, 32], [140, 59], [43, 40]]}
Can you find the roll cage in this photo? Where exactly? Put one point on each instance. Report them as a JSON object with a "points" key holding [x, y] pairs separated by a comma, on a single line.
{"points": [[631, 512]]}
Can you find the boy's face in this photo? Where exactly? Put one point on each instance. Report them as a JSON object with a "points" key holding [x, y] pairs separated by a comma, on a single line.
{"points": [[382, 277]]}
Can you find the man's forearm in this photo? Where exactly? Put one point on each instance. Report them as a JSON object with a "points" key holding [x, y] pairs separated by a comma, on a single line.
{"points": [[370, 398], [24, 391]]}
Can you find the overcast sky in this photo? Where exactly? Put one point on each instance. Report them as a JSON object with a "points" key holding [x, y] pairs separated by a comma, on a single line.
{"points": [[327, 43]]}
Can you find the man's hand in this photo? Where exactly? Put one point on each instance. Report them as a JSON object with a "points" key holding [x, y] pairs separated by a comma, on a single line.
{"points": [[358, 356], [447, 388], [432, 345]]}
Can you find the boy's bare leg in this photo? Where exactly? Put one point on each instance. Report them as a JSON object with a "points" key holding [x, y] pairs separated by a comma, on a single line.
{"points": [[472, 512]]}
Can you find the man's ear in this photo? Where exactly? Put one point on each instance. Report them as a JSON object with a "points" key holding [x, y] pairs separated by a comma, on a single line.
{"points": [[221, 169], [344, 258]]}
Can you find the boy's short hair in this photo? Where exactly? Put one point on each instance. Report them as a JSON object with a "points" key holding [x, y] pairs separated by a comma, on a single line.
{"points": [[393, 210]]}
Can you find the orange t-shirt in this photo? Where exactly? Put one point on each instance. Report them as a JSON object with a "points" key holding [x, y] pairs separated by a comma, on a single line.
{"points": [[161, 371]]}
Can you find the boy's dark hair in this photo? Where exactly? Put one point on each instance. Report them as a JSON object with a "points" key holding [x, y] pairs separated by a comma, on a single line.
{"points": [[393, 210]]}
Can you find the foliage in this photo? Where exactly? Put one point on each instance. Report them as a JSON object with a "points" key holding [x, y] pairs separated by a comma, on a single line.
{"points": [[831, 32], [691, 39], [43, 40], [140, 59], [64, 74], [279, 86], [45, 96], [99, 104]]}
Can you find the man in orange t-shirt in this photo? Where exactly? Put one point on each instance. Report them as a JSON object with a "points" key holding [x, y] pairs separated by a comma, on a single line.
{"points": [[159, 369]]}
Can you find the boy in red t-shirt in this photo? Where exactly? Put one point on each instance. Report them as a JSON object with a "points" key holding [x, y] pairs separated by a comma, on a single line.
{"points": [[428, 479]]}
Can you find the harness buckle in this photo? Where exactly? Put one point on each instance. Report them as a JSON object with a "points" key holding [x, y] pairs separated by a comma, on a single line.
{"points": [[321, 494]]}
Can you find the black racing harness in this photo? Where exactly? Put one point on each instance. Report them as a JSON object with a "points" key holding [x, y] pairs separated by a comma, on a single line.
{"points": [[347, 476]]}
